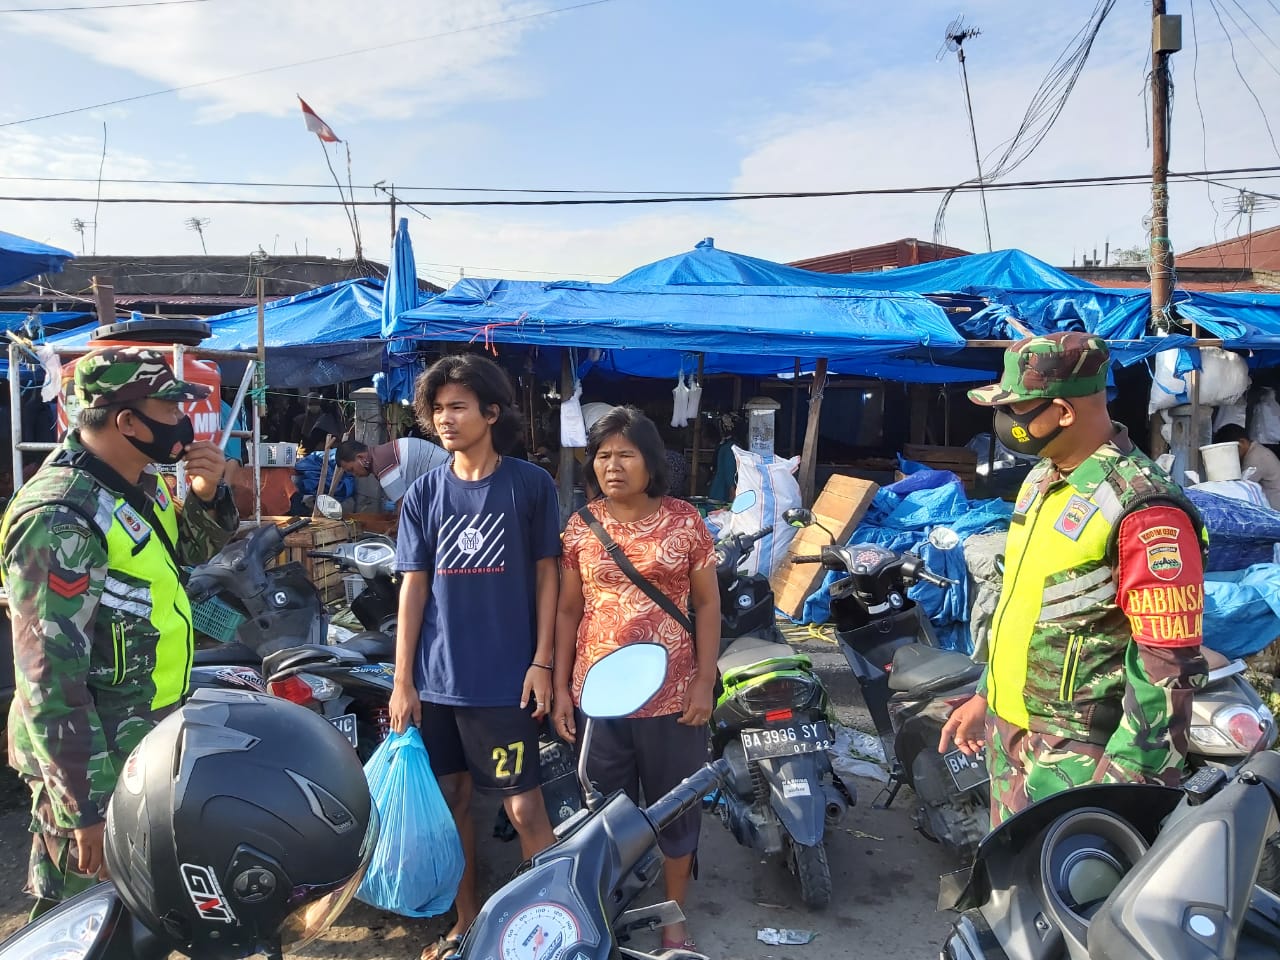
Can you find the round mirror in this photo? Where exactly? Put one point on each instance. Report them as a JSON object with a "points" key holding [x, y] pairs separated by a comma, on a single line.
{"points": [[743, 502], [620, 683], [329, 507], [944, 538]]}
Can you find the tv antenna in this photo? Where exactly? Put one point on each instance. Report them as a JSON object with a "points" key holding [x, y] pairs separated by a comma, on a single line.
{"points": [[198, 224], [79, 227], [953, 39]]}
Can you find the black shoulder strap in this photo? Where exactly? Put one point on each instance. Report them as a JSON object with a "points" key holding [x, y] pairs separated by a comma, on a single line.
{"points": [[627, 567]]}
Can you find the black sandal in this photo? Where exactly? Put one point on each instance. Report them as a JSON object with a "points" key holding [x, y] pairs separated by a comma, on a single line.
{"points": [[443, 949]]}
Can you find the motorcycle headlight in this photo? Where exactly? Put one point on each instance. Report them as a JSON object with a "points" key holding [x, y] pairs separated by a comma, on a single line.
{"points": [[779, 693], [67, 932]]}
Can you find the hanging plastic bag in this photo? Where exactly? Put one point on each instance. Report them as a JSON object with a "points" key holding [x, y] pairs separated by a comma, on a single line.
{"points": [[573, 429], [680, 398], [693, 401], [1234, 413], [1266, 419], [417, 865]]}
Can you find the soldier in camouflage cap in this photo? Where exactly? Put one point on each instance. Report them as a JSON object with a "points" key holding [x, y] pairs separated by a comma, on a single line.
{"points": [[1094, 650], [90, 553]]}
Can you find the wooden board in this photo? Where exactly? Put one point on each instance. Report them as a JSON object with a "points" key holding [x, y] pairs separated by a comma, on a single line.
{"points": [[321, 533], [961, 461], [840, 508]]}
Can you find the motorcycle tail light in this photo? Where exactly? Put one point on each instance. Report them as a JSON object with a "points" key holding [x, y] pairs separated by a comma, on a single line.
{"points": [[304, 688], [776, 716], [1241, 725], [778, 693]]}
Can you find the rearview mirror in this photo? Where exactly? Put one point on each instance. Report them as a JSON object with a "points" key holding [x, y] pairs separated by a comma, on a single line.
{"points": [[329, 507], [620, 683], [798, 517]]}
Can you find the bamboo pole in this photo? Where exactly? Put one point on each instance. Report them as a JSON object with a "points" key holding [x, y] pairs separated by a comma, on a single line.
{"points": [[809, 456], [697, 436]]}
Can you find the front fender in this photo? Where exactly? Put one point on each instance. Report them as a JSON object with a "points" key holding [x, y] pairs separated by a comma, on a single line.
{"points": [[796, 795]]}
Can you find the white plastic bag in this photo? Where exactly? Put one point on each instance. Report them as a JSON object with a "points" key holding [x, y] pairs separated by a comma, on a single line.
{"points": [[693, 401], [766, 490], [1266, 419], [573, 429], [1230, 413], [1224, 378], [680, 403]]}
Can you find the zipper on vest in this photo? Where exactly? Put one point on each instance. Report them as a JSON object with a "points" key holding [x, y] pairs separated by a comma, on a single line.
{"points": [[117, 643], [995, 629], [1070, 662]]}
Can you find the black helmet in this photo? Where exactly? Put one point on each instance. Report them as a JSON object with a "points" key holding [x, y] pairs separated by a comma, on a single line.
{"points": [[241, 824]]}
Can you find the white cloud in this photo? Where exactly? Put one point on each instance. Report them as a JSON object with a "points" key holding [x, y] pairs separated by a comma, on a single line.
{"points": [[181, 45]]}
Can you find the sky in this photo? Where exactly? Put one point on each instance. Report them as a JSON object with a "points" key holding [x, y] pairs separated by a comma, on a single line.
{"points": [[702, 96]]}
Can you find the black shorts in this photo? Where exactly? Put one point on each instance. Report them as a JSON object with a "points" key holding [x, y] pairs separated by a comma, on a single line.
{"points": [[498, 746], [649, 755]]}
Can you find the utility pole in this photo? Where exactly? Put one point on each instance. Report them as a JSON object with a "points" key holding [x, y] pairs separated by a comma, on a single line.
{"points": [[1166, 39]]}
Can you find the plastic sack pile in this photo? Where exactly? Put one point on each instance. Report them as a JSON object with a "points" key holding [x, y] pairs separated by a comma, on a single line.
{"points": [[1240, 534], [417, 864], [1242, 610], [767, 488], [899, 519]]}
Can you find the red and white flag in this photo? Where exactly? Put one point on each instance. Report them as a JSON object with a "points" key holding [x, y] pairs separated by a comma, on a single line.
{"points": [[316, 125]]}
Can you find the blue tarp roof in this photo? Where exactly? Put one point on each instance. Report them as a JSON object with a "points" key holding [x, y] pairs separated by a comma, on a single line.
{"points": [[21, 259], [740, 329]]}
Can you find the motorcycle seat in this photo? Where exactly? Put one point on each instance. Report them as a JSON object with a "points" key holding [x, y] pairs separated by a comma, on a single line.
{"points": [[308, 653], [373, 646], [748, 652], [226, 655], [922, 669]]}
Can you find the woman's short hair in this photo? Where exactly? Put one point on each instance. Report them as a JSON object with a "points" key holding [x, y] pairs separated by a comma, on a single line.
{"points": [[640, 430], [484, 378]]}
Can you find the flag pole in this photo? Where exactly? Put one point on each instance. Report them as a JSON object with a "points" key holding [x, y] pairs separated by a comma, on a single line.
{"points": [[345, 208]]}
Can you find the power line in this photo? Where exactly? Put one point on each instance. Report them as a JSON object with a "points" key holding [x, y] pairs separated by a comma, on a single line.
{"points": [[313, 60], [105, 6], [1060, 183]]}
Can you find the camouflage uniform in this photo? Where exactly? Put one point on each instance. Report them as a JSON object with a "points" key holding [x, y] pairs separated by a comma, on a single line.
{"points": [[102, 635], [1095, 644]]}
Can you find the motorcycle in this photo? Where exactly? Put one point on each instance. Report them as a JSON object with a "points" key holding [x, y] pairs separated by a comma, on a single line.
{"points": [[1101, 873], [772, 726], [273, 626], [574, 900], [910, 687]]}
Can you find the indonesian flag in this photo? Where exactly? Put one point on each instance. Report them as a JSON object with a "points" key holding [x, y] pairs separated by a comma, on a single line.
{"points": [[316, 125]]}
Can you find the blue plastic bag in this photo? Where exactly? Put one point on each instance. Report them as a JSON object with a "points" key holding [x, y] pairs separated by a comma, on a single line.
{"points": [[417, 864]]}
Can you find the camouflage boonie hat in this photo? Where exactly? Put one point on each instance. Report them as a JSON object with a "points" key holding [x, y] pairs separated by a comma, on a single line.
{"points": [[128, 374], [1060, 365]]}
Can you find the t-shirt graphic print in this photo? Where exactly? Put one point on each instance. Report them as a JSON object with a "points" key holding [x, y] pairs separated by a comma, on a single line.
{"points": [[472, 543]]}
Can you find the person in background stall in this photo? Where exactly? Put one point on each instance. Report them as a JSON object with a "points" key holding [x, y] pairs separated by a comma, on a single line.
{"points": [[478, 548], [1094, 650], [316, 424], [1265, 464], [601, 609], [396, 465], [90, 551]]}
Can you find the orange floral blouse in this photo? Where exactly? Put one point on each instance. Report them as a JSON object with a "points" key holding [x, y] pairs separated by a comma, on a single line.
{"points": [[666, 547]]}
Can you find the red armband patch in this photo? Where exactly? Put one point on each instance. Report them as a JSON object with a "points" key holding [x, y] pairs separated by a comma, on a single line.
{"points": [[1161, 577]]}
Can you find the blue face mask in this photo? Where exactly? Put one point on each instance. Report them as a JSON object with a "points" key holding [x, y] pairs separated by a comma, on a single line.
{"points": [[1014, 432]]}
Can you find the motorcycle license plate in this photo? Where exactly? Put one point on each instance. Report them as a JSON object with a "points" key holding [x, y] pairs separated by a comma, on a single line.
{"points": [[785, 741], [346, 725], [967, 772]]}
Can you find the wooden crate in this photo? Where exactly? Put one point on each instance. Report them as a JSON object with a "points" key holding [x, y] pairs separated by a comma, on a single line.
{"points": [[321, 533], [840, 508], [961, 461]]}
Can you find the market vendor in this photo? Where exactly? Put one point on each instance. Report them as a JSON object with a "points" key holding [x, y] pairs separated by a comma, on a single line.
{"points": [[1265, 464], [1094, 648], [312, 427], [396, 465]]}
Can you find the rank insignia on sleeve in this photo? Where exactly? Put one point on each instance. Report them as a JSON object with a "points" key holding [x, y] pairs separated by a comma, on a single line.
{"points": [[68, 588], [132, 523], [1071, 522]]}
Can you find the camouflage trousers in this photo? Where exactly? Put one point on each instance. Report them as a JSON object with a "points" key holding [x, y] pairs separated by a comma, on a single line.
{"points": [[52, 876], [1025, 767]]}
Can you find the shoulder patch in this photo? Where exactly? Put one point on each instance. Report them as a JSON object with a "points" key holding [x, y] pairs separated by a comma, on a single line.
{"points": [[1026, 498], [132, 523], [1075, 515], [162, 496]]}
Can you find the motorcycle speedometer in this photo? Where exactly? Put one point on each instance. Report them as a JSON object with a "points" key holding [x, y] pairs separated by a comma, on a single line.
{"points": [[68, 932]]}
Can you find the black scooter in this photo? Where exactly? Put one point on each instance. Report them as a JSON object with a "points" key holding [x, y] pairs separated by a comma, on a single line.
{"points": [[574, 900], [1126, 872], [909, 684], [772, 726]]}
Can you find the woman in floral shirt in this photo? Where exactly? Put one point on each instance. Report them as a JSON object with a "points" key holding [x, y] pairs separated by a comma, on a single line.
{"points": [[601, 609]]}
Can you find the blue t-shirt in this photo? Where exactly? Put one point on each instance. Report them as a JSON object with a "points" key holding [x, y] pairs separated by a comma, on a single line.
{"points": [[481, 539]]}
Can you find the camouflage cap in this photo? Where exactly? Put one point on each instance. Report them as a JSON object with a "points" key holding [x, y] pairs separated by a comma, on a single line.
{"points": [[1060, 365], [128, 374]]}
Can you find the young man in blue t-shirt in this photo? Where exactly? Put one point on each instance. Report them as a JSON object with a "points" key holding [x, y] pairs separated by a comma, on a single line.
{"points": [[478, 550]]}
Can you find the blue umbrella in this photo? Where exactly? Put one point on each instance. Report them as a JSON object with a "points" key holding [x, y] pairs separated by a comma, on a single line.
{"points": [[21, 259], [401, 291]]}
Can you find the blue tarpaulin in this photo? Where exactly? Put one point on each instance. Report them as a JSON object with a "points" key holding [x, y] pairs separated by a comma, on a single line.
{"points": [[1242, 610], [21, 259]]}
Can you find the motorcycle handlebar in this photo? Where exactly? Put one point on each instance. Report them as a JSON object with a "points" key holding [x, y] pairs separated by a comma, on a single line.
{"points": [[295, 526], [323, 555], [687, 794], [806, 558]]}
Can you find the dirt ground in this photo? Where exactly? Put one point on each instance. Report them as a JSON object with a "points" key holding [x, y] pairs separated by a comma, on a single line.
{"points": [[884, 874]]}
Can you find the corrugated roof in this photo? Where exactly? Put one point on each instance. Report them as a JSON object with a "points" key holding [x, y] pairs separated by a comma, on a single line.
{"points": [[1259, 250], [884, 256]]}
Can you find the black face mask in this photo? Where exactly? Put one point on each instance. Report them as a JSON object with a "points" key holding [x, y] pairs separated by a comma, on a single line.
{"points": [[165, 438], [1012, 429]]}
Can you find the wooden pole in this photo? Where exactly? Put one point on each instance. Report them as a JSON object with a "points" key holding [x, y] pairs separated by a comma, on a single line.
{"points": [[104, 296], [809, 455], [697, 437], [564, 476], [1161, 248], [795, 408]]}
